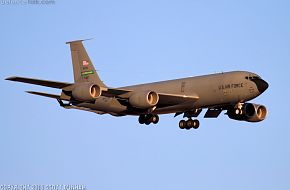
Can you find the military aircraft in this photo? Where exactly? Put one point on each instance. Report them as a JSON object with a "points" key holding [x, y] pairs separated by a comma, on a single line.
{"points": [[228, 91]]}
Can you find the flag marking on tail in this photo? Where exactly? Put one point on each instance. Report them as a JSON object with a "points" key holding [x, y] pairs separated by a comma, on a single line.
{"points": [[85, 63]]}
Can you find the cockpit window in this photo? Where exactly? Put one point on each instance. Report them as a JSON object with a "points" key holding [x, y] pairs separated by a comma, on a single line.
{"points": [[256, 77], [252, 77]]}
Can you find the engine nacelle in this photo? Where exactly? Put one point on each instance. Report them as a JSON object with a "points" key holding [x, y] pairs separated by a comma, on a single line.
{"points": [[144, 99], [86, 92], [250, 112]]}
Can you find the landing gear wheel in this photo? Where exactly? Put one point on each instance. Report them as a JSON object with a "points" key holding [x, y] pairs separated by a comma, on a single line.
{"points": [[147, 122], [190, 124], [155, 119], [196, 124], [148, 118], [182, 124], [142, 119]]}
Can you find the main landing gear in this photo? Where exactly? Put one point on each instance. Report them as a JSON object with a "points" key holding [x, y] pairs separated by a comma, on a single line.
{"points": [[190, 123], [183, 124], [148, 118]]}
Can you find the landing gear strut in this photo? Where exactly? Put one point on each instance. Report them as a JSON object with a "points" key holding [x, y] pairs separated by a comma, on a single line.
{"points": [[189, 124], [65, 105], [148, 118]]}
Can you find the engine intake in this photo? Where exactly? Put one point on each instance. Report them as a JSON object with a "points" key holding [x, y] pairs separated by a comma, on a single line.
{"points": [[86, 92], [144, 99], [250, 112]]}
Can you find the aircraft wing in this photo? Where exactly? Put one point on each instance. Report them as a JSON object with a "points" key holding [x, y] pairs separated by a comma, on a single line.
{"points": [[165, 99], [47, 83]]}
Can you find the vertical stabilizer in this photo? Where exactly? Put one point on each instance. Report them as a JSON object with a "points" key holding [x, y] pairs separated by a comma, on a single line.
{"points": [[83, 67]]}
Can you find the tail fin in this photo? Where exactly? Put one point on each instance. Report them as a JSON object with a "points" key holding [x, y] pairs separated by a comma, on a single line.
{"points": [[83, 67]]}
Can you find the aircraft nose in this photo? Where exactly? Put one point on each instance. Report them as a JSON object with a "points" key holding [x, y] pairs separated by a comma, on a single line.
{"points": [[261, 85]]}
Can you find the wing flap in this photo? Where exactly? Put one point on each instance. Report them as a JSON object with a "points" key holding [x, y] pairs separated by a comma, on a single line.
{"points": [[175, 99], [47, 83], [212, 113], [188, 105]]}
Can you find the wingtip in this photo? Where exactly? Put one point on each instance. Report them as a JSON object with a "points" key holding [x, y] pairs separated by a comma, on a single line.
{"points": [[31, 92], [10, 78]]}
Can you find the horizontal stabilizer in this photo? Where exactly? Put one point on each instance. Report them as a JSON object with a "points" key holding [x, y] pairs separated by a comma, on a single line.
{"points": [[47, 83]]}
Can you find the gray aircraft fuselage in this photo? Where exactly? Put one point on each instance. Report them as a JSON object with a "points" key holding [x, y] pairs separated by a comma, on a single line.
{"points": [[228, 91], [213, 90]]}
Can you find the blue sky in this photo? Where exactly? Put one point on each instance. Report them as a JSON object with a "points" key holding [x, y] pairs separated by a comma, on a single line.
{"points": [[136, 42]]}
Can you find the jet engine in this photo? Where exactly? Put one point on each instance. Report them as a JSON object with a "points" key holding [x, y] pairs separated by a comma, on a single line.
{"points": [[144, 99], [86, 92], [250, 112]]}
